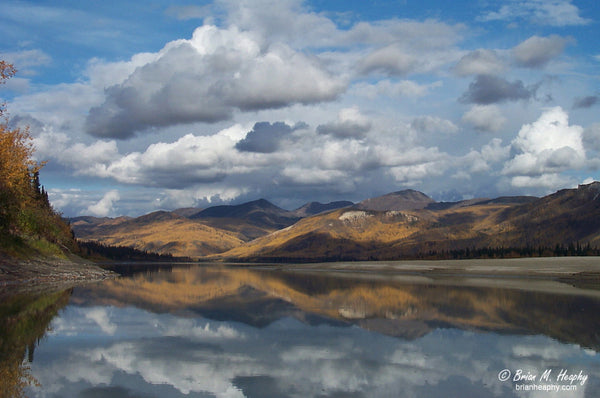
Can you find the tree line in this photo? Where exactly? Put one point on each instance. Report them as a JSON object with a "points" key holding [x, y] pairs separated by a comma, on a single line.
{"points": [[559, 250], [93, 249]]}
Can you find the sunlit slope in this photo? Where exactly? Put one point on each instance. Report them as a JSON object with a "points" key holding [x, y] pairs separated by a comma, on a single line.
{"points": [[194, 232], [404, 224], [363, 234], [160, 232], [563, 218]]}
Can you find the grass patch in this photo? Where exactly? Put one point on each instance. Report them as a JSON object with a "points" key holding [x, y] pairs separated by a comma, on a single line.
{"points": [[24, 248]]}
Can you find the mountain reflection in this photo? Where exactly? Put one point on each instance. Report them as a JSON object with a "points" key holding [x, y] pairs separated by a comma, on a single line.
{"points": [[260, 297], [213, 331]]}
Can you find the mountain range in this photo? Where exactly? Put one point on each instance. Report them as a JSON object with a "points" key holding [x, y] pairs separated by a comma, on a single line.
{"points": [[404, 224]]}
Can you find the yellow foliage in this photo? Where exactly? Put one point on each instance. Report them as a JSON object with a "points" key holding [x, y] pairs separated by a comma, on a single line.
{"points": [[24, 208]]}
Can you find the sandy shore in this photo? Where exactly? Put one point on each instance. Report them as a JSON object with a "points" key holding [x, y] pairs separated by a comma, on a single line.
{"points": [[565, 275], [537, 267]]}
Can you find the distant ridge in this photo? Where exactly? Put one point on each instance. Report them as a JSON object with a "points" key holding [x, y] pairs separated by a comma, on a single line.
{"points": [[186, 211], [250, 219], [403, 224], [409, 224], [312, 208], [408, 199], [242, 210]]}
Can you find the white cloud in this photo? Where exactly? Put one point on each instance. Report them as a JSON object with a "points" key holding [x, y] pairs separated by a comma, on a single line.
{"points": [[101, 317], [25, 59], [392, 60], [433, 124], [542, 12], [546, 181], [544, 149], [206, 78], [187, 161], [105, 206], [276, 62], [537, 51], [350, 124], [494, 151], [485, 118], [90, 160], [480, 62], [293, 22]]}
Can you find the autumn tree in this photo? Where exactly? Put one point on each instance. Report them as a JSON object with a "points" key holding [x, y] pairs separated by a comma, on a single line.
{"points": [[24, 207]]}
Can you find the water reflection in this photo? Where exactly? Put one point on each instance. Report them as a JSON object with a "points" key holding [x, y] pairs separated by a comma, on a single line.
{"points": [[214, 331], [24, 320], [258, 297]]}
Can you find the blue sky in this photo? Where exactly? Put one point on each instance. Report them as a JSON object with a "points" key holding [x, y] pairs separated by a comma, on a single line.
{"points": [[147, 105]]}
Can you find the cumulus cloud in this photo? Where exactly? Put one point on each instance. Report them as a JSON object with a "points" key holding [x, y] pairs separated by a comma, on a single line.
{"points": [[537, 51], [541, 12], [392, 60], [206, 78], [84, 159], [265, 137], [187, 161], [410, 47], [105, 206], [485, 160], [350, 124], [479, 62], [585, 102], [544, 149], [433, 124], [484, 118], [295, 23], [487, 90]]}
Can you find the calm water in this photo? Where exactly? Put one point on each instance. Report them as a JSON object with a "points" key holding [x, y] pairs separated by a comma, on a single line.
{"points": [[208, 331]]}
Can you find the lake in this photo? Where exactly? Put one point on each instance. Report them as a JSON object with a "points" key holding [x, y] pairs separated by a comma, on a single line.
{"points": [[217, 331]]}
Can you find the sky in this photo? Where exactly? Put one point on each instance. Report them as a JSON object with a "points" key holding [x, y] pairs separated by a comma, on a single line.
{"points": [[155, 105]]}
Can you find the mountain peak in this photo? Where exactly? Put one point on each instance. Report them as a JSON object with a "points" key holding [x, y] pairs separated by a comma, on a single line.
{"points": [[240, 210], [593, 186], [408, 199]]}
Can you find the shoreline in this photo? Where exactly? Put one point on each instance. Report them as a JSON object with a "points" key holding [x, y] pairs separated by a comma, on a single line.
{"points": [[566, 275], [588, 267], [41, 274]]}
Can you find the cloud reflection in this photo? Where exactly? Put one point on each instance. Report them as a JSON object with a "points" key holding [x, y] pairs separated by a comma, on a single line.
{"points": [[142, 353]]}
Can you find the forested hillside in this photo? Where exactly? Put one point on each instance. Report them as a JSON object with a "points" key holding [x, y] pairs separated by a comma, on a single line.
{"points": [[28, 223]]}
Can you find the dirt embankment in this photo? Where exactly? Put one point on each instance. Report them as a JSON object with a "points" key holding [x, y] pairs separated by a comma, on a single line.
{"points": [[42, 273]]}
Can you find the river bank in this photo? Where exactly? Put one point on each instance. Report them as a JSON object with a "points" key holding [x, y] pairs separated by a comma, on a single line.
{"points": [[43, 273]]}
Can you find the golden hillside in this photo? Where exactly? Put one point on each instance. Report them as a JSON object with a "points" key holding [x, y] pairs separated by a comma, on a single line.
{"points": [[417, 227], [363, 234], [563, 218], [167, 235]]}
